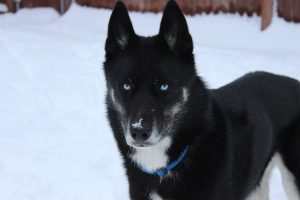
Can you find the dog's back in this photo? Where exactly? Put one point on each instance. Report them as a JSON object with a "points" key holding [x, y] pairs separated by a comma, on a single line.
{"points": [[278, 96]]}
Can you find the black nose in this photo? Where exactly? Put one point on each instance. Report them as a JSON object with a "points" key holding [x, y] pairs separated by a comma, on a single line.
{"points": [[140, 136], [141, 129]]}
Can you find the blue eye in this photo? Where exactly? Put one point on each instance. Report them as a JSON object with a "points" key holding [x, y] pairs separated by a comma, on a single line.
{"points": [[164, 87], [126, 86]]}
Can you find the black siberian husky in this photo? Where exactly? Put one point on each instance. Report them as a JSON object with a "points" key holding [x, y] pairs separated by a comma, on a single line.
{"points": [[182, 141]]}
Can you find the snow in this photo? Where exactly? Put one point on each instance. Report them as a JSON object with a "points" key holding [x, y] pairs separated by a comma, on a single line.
{"points": [[3, 7], [55, 142]]}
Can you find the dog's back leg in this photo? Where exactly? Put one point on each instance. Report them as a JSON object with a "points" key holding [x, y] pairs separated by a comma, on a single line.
{"points": [[263, 189], [290, 167]]}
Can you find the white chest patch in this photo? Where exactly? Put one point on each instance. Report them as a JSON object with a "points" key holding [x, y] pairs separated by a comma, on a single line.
{"points": [[154, 196], [152, 158]]}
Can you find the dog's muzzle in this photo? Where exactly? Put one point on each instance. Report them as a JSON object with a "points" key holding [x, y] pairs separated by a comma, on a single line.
{"points": [[141, 129]]}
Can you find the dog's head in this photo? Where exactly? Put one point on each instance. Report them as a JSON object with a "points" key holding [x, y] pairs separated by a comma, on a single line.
{"points": [[148, 78]]}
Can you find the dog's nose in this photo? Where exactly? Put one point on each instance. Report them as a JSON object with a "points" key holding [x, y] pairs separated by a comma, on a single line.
{"points": [[140, 136], [140, 130]]}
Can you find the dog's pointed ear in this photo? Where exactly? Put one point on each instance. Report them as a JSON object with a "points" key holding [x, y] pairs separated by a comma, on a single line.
{"points": [[120, 29], [174, 29]]}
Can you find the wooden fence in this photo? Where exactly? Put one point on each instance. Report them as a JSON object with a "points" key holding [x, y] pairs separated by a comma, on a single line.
{"points": [[60, 5], [287, 9], [191, 7]]}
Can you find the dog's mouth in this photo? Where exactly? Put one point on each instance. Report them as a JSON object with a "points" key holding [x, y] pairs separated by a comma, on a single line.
{"points": [[153, 140], [140, 135], [140, 145]]}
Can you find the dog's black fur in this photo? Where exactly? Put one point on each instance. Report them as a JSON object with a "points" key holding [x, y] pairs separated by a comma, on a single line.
{"points": [[232, 132]]}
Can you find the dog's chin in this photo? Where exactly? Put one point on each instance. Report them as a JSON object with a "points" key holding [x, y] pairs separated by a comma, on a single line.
{"points": [[144, 145], [140, 146]]}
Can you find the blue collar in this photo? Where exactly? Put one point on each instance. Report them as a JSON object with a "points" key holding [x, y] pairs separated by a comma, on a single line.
{"points": [[166, 170]]}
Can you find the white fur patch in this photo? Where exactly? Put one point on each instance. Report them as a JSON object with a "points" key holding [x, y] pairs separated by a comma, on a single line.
{"points": [[128, 137], [185, 94], [288, 181], [154, 196], [155, 136], [154, 157], [116, 104], [262, 191], [138, 124], [177, 108]]}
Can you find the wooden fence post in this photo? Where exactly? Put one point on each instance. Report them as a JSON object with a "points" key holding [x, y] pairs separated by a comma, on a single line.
{"points": [[10, 5], [266, 13]]}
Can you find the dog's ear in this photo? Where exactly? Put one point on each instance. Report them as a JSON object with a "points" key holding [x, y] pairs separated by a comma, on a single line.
{"points": [[120, 29], [174, 29]]}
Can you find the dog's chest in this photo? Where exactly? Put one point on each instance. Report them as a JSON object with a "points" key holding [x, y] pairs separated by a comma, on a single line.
{"points": [[153, 158]]}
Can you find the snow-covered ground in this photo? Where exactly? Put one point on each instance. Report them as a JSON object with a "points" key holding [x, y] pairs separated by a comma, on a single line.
{"points": [[55, 142]]}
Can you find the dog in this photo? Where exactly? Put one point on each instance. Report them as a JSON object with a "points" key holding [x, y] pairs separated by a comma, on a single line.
{"points": [[180, 140]]}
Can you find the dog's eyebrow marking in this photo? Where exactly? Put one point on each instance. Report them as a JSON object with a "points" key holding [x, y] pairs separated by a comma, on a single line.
{"points": [[138, 125]]}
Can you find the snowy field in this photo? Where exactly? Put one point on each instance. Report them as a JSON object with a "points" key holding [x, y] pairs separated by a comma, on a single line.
{"points": [[55, 143]]}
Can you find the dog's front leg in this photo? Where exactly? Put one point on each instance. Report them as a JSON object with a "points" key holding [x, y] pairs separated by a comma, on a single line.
{"points": [[138, 192]]}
